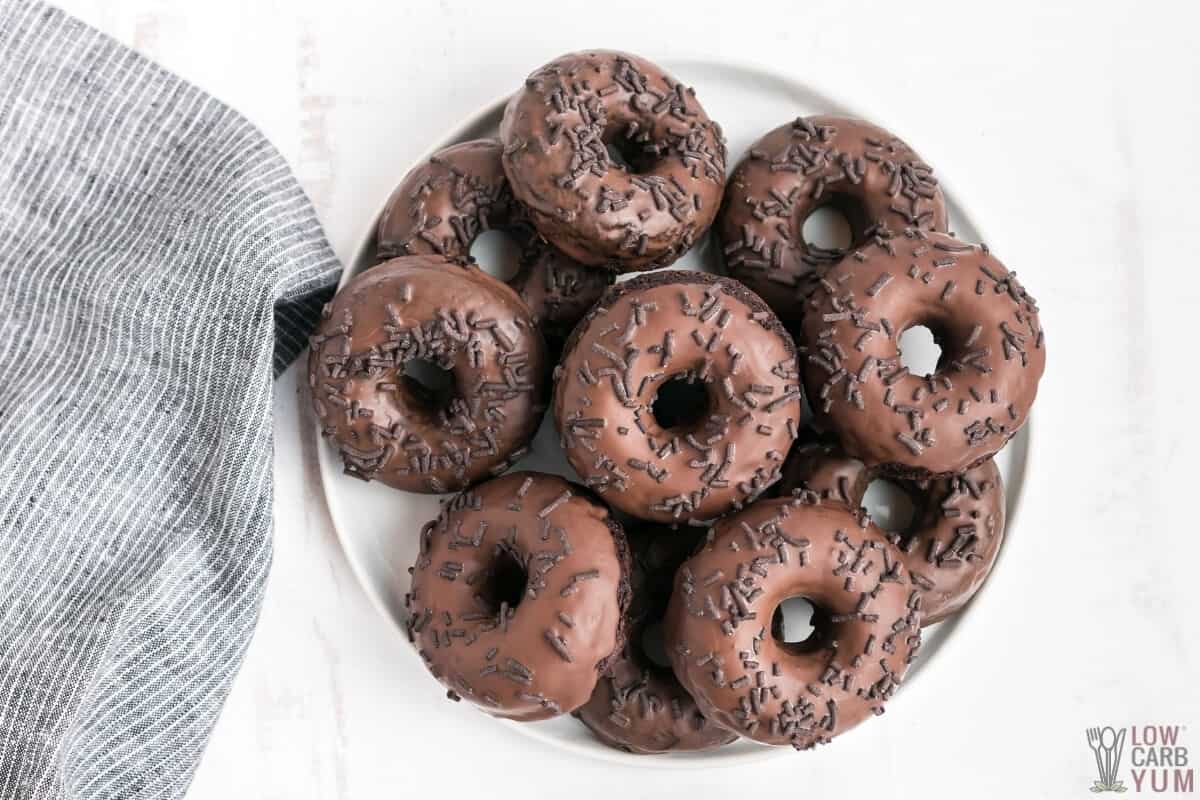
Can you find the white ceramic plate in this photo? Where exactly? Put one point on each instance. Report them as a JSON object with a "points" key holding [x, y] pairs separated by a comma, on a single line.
{"points": [[378, 526]]}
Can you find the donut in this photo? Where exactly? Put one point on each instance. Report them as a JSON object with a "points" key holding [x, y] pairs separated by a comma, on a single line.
{"points": [[518, 595], [447, 317], [444, 204], [557, 290], [817, 464], [639, 706], [557, 131], [957, 525], [726, 649], [857, 168], [678, 396], [979, 396]]}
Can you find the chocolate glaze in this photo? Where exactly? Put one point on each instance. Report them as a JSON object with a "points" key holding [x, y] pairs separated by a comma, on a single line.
{"points": [[860, 169], [639, 706], [384, 423], [720, 618], [818, 465], [558, 290], [993, 354], [696, 327], [556, 131], [443, 205], [543, 656], [956, 530]]}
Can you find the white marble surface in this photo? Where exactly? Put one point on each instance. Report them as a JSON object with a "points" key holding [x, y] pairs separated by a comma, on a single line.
{"points": [[1071, 128]]}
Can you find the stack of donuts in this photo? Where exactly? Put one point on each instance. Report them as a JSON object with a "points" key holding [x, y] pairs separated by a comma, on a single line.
{"points": [[722, 428]]}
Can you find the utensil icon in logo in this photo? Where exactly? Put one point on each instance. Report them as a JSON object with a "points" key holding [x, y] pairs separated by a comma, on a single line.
{"points": [[1107, 745]]}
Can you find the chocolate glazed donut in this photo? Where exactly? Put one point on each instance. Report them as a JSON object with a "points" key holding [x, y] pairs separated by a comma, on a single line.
{"points": [[454, 320], [556, 133], [443, 205], [957, 524], [866, 622], [519, 594], [861, 170], [557, 290], [639, 705], [993, 354], [677, 397]]}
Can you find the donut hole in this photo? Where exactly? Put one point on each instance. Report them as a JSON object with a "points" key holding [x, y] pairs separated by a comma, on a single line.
{"points": [[919, 350], [428, 385], [890, 507], [836, 225], [800, 625], [680, 404], [505, 583], [827, 228], [627, 155], [653, 645], [498, 254]]}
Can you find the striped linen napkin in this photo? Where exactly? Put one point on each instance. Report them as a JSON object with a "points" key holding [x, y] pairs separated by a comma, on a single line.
{"points": [[158, 265]]}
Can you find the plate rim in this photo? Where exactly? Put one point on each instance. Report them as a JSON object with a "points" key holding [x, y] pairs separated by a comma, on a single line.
{"points": [[328, 470]]}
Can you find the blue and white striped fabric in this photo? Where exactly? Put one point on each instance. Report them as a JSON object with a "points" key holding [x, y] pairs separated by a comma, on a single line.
{"points": [[158, 262]]}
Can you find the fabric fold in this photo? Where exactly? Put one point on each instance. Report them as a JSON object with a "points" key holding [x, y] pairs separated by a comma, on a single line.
{"points": [[159, 264]]}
